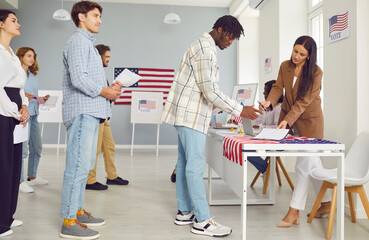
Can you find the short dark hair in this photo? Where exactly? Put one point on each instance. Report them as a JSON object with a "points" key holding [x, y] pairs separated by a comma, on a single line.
{"points": [[4, 14], [268, 87], [102, 49], [230, 25], [83, 7]]}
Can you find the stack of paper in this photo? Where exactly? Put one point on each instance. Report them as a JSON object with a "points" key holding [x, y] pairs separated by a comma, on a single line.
{"points": [[272, 134]]}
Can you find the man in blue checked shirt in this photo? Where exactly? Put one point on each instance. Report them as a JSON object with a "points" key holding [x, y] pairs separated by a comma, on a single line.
{"points": [[85, 103]]}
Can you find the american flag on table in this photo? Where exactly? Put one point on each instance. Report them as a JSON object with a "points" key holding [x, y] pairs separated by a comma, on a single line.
{"points": [[338, 22], [153, 80], [146, 104], [232, 147]]}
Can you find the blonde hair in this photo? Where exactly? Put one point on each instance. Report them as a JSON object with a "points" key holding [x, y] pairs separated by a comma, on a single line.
{"points": [[20, 54]]}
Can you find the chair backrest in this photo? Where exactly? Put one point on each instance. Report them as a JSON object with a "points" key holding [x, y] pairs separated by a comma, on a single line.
{"points": [[357, 159]]}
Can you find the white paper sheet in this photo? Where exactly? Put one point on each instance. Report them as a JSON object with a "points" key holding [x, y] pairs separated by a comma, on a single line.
{"points": [[127, 78], [272, 134], [20, 133]]}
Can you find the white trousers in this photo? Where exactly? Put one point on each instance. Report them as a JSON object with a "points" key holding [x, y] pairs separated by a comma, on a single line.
{"points": [[303, 167]]}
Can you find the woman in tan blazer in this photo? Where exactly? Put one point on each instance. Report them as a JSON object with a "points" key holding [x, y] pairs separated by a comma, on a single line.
{"points": [[301, 78]]}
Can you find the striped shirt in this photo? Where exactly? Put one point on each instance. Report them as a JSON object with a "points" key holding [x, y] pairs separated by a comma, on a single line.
{"points": [[83, 78], [195, 89]]}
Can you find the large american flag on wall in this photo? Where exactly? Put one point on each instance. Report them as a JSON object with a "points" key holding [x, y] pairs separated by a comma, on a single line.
{"points": [[153, 80]]}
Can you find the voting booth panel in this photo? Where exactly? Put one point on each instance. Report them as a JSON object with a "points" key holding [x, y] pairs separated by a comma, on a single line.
{"points": [[147, 107], [51, 110]]}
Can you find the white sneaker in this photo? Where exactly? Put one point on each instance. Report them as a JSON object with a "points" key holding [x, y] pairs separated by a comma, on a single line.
{"points": [[25, 188], [184, 219], [37, 181], [16, 223], [210, 228], [7, 233]]}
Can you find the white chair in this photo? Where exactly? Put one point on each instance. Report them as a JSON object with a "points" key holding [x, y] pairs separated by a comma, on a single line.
{"points": [[356, 175]]}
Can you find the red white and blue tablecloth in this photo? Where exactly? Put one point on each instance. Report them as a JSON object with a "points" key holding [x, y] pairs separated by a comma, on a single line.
{"points": [[232, 146]]}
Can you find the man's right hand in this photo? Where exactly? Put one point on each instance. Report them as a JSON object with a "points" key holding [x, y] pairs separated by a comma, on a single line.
{"points": [[250, 112], [110, 93]]}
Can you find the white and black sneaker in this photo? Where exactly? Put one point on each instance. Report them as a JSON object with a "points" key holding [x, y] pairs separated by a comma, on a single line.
{"points": [[210, 228], [184, 219]]}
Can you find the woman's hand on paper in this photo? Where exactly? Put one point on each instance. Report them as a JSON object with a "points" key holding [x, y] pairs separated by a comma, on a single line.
{"points": [[282, 125], [46, 97]]}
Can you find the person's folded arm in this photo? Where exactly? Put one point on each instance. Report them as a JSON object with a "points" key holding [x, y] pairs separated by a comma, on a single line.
{"points": [[7, 106], [77, 60]]}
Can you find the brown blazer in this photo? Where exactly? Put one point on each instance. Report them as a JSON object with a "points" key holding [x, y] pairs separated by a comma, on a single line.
{"points": [[305, 114]]}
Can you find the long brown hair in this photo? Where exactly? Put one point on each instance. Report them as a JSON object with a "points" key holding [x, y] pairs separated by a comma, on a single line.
{"points": [[21, 52], [309, 67]]}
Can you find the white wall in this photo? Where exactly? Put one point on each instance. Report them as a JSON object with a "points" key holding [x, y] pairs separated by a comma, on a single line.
{"points": [[269, 36], [248, 51], [293, 23]]}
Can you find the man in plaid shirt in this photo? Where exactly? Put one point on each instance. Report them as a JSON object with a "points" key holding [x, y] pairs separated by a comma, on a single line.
{"points": [[188, 107]]}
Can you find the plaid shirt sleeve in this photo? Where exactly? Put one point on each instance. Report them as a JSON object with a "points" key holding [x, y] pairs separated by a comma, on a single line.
{"points": [[206, 72], [78, 58]]}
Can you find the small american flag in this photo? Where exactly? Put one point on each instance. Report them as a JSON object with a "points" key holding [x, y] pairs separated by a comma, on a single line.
{"points": [[244, 94], [153, 80], [238, 119], [268, 62], [338, 22], [146, 104]]}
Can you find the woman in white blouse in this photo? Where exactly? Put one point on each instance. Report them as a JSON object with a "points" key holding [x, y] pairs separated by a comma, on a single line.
{"points": [[270, 118], [13, 111]]}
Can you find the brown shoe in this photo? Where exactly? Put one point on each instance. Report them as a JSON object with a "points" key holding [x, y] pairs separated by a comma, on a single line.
{"points": [[323, 210]]}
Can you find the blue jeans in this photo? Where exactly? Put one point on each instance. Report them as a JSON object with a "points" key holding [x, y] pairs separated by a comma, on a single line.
{"points": [[35, 147], [260, 164], [191, 165], [80, 160]]}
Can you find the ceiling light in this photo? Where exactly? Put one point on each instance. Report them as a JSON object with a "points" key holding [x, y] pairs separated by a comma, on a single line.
{"points": [[61, 14], [172, 18]]}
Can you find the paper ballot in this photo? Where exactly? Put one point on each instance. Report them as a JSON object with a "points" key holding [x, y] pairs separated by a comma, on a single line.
{"points": [[20, 133], [127, 78], [272, 134]]}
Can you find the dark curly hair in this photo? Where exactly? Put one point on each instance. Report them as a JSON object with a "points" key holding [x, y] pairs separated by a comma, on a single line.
{"points": [[230, 25]]}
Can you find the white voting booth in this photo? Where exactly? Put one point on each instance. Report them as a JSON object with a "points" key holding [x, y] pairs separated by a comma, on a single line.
{"points": [[51, 113], [147, 108]]}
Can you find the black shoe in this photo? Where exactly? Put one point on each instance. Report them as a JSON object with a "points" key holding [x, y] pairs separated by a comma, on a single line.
{"points": [[173, 176], [117, 181], [96, 186]]}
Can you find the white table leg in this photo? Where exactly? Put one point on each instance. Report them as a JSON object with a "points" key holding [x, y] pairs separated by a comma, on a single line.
{"points": [[340, 198], [57, 150], [244, 196], [210, 178], [272, 179]]}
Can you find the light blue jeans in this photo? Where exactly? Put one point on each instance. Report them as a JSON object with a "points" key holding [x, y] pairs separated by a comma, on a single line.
{"points": [[191, 165], [80, 160], [34, 144]]}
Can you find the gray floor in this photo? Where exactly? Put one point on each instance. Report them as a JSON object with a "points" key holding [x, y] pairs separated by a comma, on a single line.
{"points": [[145, 209]]}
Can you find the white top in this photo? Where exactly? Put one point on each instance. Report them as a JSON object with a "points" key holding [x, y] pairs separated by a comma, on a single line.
{"points": [[294, 81], [270, 118], [12, 75]]}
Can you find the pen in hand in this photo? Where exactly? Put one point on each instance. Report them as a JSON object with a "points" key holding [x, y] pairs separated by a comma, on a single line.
{"points": [[261, 105]]}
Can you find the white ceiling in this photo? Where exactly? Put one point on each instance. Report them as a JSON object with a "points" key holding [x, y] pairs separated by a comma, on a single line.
{"points": [[204, 3]]}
